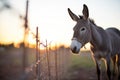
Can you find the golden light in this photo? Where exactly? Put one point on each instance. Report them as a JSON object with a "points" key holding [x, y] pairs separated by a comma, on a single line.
{"points": [[31, 40]]}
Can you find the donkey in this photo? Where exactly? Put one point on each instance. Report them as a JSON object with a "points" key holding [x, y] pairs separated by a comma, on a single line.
{"points": [[105, 44]]}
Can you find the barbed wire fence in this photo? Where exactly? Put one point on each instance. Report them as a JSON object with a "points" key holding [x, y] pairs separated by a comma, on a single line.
{"points": [[49, 64]]}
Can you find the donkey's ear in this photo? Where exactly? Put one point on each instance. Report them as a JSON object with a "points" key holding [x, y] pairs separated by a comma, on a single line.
{"points": [[85, 12], [72, 15]]}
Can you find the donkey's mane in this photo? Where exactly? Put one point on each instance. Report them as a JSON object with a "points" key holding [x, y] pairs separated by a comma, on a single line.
{"points": [[90, 19]]}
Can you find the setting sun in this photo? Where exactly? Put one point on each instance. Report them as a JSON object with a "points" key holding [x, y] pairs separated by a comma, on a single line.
{"points": [[31, 39]]}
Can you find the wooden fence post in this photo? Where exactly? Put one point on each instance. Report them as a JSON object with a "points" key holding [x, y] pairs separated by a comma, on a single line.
{"points": [[37, 56], [25, 34], [56, 62], [48, 61]]}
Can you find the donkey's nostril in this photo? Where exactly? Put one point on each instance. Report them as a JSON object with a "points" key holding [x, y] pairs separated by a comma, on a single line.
{"points": [[74, 49]]}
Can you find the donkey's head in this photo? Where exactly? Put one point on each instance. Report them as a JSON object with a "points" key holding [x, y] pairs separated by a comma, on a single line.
{"points": [[82, 32]]}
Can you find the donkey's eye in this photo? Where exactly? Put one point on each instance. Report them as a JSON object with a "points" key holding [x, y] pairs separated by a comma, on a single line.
{"points": [[82, 29]]}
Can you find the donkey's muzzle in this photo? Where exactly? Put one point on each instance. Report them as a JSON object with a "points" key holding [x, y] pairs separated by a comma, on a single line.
{"points": [[74, 50], [75, 46]]}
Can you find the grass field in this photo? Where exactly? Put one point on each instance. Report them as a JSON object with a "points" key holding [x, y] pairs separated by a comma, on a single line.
{"points": [[82, 60], [82, 67]]}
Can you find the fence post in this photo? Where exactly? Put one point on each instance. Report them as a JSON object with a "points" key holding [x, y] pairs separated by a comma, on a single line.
{"points": [[37, 56], [56, 69], [25, 32], [39, 72], [36, 52], [48, 61]]}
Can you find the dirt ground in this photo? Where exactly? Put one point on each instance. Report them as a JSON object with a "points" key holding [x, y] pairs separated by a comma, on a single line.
{"points": [[83, 74], [11, 68]]}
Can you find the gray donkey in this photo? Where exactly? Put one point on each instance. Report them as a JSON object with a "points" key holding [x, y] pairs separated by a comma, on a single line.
{"points": [[105, 44]]}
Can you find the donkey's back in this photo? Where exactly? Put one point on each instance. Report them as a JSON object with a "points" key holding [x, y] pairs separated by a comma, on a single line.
{"points": [[114, 36]]}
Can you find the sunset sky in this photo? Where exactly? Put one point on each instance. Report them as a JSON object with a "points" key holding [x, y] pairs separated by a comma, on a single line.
{"points": [[52, 18]]}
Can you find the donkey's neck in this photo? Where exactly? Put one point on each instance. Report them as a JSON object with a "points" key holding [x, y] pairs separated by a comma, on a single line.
{"points": [[97, 40]]}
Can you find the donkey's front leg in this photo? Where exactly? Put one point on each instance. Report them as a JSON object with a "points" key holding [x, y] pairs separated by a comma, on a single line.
{"points": [[108, 68], [114, 58], [98, 64]]}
